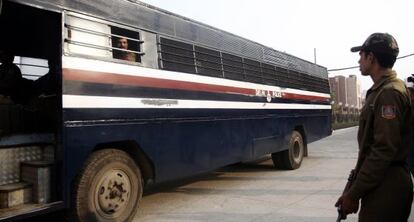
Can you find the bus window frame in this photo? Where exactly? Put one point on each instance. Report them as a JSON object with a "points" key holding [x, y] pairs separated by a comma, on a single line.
{"points": [[111, 48]]}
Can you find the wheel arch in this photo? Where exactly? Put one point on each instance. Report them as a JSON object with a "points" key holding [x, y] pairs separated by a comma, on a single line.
{"points": [[133, 149]]}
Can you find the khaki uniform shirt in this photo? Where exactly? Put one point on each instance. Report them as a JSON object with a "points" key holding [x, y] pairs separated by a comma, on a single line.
{"points": [[384, 135]]}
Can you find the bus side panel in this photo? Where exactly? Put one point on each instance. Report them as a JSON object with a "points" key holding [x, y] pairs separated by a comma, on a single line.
{"points": [[186, 124], [179, 148], [318, 127]]}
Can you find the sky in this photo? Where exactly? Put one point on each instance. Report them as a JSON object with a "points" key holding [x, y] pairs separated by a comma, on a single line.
{"points": [[298, 27]]}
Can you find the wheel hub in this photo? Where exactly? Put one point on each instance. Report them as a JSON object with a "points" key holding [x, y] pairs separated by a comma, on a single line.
{"points": [[113, 192]]}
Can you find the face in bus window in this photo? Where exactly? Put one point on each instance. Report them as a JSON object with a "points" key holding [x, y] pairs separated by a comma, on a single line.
{"points": [[123, 43]]}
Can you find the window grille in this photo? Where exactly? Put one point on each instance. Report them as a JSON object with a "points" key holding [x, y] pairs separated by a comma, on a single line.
{"points": [[185, 57]]}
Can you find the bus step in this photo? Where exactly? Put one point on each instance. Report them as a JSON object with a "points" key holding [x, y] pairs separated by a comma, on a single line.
{"points": [[38, 173], [15, 194]]}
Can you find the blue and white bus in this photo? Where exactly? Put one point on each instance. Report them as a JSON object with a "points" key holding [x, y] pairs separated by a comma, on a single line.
{"points": [[95, 121]]}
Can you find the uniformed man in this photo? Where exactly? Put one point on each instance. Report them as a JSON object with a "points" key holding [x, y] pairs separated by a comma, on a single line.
{"points": [[382, 180]]}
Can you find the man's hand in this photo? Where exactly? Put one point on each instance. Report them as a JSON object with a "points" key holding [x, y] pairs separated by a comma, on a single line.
{"points": [[347, 204]]}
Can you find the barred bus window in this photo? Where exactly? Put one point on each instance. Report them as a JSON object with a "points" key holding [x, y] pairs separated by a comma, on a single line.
{"points": [[126, 45], [208, 62], [94, 37], [269, 74], [253, 71], [177, 56], [282, 76], [186, 57], [86, 37], [233, 67]]}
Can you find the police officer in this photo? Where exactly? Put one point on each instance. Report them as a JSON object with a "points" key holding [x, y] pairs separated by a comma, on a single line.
{"points": [[382, 180]]}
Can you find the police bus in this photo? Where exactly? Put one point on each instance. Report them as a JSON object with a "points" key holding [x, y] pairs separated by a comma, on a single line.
{"points": [[117, 95]]}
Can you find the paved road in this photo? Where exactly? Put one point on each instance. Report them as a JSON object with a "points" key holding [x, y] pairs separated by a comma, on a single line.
{"points": [[258, 192]]}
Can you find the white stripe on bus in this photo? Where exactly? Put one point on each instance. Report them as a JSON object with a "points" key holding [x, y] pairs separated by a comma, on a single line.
{"points": [[123, 69], [82, 101]]}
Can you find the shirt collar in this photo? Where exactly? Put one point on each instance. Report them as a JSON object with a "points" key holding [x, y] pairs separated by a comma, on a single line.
{"points": [[389, 75]]}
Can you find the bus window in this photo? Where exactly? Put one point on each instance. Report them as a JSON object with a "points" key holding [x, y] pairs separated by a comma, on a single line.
{"points": [[233, 67], [177, 56], [91, 37], [269, 74], [126, 45], [208, 62], [86, 37], [253, 71], [31, 68]]}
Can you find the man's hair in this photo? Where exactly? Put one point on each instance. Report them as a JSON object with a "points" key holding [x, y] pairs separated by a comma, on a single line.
{"points": [[384, 59]]}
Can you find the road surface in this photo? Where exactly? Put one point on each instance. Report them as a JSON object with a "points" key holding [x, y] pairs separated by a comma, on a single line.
{"points": [[257, 192]]}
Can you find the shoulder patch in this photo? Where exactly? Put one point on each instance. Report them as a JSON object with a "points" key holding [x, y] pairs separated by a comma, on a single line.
{"points": [[388, 111]]}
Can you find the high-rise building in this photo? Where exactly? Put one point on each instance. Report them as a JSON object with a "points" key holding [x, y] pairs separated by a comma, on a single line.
{"points": [[338, 89], [346, 91], [353, 90]]}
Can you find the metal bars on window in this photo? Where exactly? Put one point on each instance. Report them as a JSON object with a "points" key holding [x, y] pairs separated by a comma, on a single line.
{"points": [[93, 37], [189, 58]]}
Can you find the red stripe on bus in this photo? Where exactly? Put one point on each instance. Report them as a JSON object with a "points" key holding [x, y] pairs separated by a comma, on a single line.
{"points": [[304, 97], [110, 78], [119, 79]]}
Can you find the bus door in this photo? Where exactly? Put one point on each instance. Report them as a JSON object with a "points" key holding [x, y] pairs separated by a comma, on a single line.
{"points": [[30, 110]]}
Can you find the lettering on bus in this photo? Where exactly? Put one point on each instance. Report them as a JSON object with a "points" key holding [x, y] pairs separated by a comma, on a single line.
{"points": [[269, 94]]}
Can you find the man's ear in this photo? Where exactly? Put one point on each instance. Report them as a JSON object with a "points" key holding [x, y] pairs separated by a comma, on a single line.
{"points": [[371, 57]]}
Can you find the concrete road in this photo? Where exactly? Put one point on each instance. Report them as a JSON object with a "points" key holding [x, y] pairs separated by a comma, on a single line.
{"points": [[258, 192]]}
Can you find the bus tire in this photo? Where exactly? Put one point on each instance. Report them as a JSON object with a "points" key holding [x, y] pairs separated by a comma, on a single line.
{"points": [[291, 158], [108, 189]]}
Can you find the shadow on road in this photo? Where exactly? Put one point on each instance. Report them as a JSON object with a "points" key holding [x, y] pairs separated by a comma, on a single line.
{"points": [[176, 185]]}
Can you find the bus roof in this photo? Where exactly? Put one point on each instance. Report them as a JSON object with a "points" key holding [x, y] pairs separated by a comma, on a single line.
{"points": [[144, 16]]}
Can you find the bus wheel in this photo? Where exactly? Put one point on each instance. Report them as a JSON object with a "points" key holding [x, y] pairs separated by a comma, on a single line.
{"points": [[108, 189], [291, 158]]}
